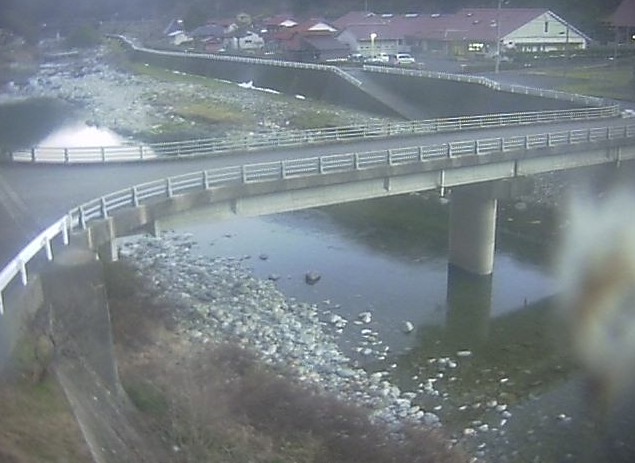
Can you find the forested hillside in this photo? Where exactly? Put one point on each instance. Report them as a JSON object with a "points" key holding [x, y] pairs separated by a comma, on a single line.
{"points": [[25, 16]]}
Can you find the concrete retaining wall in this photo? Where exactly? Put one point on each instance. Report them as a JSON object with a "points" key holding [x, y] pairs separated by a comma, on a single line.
{"points": [[445, 98], [320, 85]]}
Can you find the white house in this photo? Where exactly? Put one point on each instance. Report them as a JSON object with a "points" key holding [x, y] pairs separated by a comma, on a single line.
{"points": [[477, 31], [247, 41]]}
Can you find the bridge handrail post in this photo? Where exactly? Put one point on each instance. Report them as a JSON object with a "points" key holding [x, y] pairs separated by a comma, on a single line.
{"points": [[23, 273], [205, 180], [356, 161], [135, 196], [33, 155], [449, 149], [321, 165], [102, 150], [81, 217], [243, 174], [283, 170], [66, 157], [48, 249], [141, 154], [168, 187], [103, 207], [476, 146], [389, 157]]}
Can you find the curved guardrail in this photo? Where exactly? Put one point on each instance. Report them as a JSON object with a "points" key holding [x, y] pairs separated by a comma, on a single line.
{"points": [[100, 208], [493, 84], [285, 139], [243, 59]]}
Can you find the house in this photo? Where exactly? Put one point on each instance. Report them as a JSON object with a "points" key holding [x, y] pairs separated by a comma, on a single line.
{"points": [[623, 20], [370, 39], [179, 37], [355, 18], [476, 31], [211, 36], [247, 41], [312, 40]]}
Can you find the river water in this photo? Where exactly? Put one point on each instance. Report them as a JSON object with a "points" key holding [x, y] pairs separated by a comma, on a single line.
{"points": [[489, 345], [507, 389]]}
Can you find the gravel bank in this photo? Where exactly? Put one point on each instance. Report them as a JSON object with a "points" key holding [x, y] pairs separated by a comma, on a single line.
{"points": [[141, 105], [220, 299]]}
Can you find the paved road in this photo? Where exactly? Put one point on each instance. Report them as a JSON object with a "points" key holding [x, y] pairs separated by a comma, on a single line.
{"points": [[32, 196]]}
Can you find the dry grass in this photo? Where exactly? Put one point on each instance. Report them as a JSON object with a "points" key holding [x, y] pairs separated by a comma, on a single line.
{"points": [[210, 113], [36, 424], [219, 403]]}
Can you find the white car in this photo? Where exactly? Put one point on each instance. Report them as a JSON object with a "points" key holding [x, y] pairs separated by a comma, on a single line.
{"points": [[404, 58], [379, 58]]}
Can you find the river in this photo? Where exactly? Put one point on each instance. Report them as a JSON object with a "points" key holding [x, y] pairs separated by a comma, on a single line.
{"points": [[503, 384], [488, 344]]}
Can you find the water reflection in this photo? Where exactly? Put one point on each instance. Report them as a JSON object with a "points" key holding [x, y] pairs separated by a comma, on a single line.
{"points": [[389, 257]]}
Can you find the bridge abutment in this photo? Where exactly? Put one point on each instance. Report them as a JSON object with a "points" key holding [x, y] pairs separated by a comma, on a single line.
{"points": [[473, 228]]}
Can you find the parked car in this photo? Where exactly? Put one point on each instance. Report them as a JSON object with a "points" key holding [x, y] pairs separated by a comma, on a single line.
{"points": [[404, 58], [380, 58]]}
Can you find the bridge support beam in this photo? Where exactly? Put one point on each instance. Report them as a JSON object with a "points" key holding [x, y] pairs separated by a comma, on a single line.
{"points": [[473, 228]]}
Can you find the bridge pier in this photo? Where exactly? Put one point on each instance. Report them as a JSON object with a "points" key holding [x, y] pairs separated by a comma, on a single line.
{"points": [[473, 228], [469, 306]]}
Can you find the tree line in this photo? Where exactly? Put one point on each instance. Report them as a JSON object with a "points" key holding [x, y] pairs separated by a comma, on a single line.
{"points": [[26, 17]]}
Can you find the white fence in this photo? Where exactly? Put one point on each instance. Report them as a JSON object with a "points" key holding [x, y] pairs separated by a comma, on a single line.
{"points": [[100, 208], [494, 85], [282, 139]]}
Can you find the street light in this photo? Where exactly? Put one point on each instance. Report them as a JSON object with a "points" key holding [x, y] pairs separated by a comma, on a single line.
{"points": [[373, 36]]}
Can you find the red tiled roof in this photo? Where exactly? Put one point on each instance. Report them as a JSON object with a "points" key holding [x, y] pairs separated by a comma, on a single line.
{"points": [[384, 31], [277, 20], [354, 18], [472, 23]]}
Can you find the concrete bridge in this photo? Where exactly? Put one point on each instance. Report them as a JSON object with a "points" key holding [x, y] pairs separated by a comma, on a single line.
{"points": [[478, 159], [476, 170]]}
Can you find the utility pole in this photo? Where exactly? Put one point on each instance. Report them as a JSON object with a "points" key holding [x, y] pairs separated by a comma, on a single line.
{"points": [[498, 37]]}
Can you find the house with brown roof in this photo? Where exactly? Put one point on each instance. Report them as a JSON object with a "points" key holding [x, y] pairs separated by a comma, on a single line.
{"points": [[311, 41], [477, 30], [373, 39], [473, 31]]}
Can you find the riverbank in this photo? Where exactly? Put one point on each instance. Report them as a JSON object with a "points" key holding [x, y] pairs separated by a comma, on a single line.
{"points": [[151, 104], [212, 302]]}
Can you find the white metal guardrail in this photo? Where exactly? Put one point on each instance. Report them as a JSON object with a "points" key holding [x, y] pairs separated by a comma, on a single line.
{"points": [[494, 85], [244, 59], [100, 208], [286, 139]]}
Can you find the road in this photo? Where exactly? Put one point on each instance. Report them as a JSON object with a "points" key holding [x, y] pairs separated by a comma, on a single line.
{"points": [[32, 196]]}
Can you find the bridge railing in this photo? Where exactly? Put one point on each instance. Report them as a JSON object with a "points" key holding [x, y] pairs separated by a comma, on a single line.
{"points": [[100, 208], [286, 139]]}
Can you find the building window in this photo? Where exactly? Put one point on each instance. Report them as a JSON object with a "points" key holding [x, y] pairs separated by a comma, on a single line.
{"points": [[546, 26]]}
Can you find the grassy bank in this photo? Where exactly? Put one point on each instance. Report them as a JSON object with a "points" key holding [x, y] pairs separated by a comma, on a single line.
{"points": [[610, 80]]}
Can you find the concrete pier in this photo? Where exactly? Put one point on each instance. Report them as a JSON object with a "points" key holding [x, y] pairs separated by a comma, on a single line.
{"points": [[473, 228], [469, 307]]}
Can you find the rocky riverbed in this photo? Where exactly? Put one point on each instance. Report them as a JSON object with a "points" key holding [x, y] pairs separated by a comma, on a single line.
{"points": [[219, 299], [146, 106]]}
